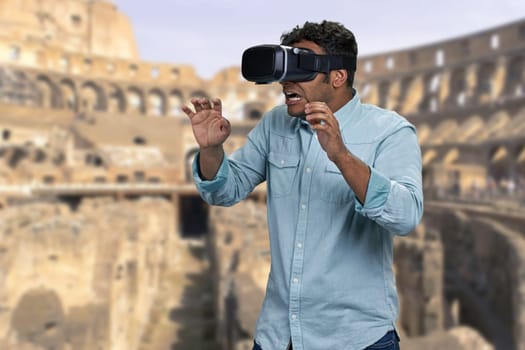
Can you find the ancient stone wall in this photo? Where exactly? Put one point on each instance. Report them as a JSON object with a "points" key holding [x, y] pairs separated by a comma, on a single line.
{"points": [[483, 272], [84, 279]]}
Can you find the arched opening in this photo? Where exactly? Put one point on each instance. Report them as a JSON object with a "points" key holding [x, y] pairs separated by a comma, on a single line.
{"points": [[92, 97], [384, 88], [156, 103], [193, 217], [253, 111], [499, 164], [6, 134], [49, 94], [69, 94], [442, 132], [406, 83], [458, 88], [484, 86], [520, 168], [430, 100], [199, 94], [116, 100], [38, 318], [423, 133], [515, 80], [135, 101], [175, 102], [470, 128]]}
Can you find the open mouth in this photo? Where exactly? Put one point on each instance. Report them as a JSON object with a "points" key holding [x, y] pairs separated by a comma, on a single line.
{"points": [[292, 97]]}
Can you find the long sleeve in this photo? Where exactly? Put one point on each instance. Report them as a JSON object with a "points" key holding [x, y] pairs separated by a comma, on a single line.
{"points": [[394, 197]]}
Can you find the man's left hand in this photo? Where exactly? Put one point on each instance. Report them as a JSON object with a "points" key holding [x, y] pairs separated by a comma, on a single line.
{"points": [[323, 121]]}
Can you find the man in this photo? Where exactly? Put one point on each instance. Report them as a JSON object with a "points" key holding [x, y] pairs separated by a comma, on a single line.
{"points": [[343, 178]]}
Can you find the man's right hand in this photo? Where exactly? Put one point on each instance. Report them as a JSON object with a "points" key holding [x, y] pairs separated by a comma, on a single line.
{"points": [[210, 128]]}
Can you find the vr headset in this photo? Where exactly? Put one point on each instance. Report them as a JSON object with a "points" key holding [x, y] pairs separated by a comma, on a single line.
{"points": [[263, 64]]}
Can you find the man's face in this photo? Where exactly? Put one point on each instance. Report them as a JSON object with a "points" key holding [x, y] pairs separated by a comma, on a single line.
{"points": [[298, 94]]}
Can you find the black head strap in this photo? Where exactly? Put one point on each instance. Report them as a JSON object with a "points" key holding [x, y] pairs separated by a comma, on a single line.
{"points": [[326, 63]]}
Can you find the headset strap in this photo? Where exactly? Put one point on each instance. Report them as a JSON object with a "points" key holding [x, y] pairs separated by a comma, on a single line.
{"points": [[326, 63]]}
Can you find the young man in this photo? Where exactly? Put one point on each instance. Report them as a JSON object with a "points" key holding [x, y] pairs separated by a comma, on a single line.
{"points": [[343, 178]]}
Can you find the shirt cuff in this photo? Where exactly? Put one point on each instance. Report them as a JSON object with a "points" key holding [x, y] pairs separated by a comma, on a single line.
{"points": [[217, 182], [376, 193]]}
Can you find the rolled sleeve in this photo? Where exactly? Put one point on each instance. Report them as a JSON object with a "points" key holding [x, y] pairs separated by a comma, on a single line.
{"points": [[376, 193], [214, 184], [394, 197]]}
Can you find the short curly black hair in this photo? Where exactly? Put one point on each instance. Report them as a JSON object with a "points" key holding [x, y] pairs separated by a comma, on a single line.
{"points": [[333, 37]]}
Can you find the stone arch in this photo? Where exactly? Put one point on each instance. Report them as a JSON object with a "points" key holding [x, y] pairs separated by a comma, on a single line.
{"points": [[199, 94], [49, 92], [404, 87], [253, 110], [69, 93], [485, 82], [157, 103], [520, 163], [430, 100], [442, 131], [413, 89], [469, 129], [458, 87], [423, 133], [515, 79], [92, 97], [384, 88], [451, 156], [176, 102], [116, 100], [135, 101], [499, 163], [516, 126], [39, 318], [429, 156], [495, 124]]}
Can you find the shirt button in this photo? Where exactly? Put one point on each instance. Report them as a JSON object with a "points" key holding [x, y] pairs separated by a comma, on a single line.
{"points": [[294, 316], [303, 206], [295, 280], [308, 170], [299, 245], [282, 161]]}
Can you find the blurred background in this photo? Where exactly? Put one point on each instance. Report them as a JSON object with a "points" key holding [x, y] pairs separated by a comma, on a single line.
{"points": [[105, 243]]}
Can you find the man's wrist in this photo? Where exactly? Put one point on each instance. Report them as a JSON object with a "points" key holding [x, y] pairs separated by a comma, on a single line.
{"points": [[341, 157]]}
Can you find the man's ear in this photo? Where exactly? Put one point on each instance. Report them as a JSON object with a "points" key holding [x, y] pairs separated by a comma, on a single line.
{"points": [[339, 77]]}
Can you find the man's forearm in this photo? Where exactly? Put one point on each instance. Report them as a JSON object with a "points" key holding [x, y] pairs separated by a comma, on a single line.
{"points": [[355, 172], [210, 159]]}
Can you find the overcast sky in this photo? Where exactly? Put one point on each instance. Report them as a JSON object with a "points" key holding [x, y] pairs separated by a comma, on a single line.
{"points": [[211, 35]]}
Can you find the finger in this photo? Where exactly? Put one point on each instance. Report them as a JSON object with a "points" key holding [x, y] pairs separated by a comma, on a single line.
{"points": [[188, 111], [320, 107], [196, 103], [217, 105], [205, 103], [317, 118]]}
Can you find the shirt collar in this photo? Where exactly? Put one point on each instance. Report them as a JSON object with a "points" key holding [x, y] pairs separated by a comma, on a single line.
{"points": [[345, 113]]}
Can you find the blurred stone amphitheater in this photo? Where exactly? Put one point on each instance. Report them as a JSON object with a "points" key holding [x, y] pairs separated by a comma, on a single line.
{"points": [[106, 245]]}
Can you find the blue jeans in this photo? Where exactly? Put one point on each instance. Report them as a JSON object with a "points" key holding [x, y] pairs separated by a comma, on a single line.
{"points": [[390, 341]]}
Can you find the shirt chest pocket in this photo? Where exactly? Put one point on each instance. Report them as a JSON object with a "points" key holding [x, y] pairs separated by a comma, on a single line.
{"points": [[282, 173], [333, 187]]}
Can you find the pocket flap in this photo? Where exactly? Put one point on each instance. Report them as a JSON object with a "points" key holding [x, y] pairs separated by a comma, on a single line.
{"points": [[283, 160]]}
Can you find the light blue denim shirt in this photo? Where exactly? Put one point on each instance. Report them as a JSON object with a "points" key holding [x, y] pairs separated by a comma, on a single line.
{"points": [[331, 284]]}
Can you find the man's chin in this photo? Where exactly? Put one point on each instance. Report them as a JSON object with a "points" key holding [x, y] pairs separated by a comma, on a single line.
{"points": [[294, 111]]}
